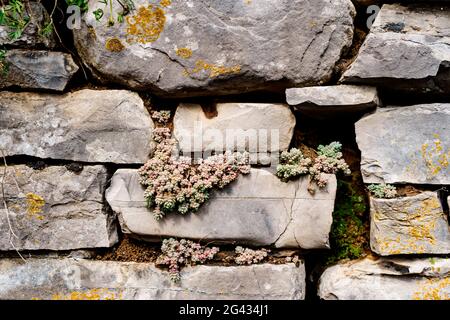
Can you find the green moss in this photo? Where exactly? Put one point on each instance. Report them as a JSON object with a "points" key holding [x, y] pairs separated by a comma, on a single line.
{"points": [[350, 230]]}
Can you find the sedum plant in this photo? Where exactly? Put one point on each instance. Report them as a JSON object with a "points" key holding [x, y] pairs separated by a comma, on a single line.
{"points": [[176, 184], [250, 256], [385, 191], [184, 252], [329, 161]]}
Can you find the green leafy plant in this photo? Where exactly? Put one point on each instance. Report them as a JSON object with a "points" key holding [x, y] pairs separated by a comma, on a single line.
{"points": [[349, 232], [127, 7], [82, 4], [176, 254], [4, 66], [329, 161], [385, 191], [14, 17]]}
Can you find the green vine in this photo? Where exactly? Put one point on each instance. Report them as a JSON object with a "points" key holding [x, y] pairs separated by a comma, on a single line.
{"points": [[14, 17]]}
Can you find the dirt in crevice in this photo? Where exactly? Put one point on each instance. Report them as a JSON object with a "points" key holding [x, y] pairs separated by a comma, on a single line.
{"points": [[133, 250]]}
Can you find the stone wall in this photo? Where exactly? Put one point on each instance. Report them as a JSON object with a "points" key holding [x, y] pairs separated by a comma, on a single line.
{"points": [[77, 121]]}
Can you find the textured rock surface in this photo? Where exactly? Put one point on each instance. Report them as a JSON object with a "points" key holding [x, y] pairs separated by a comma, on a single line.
{"points": [[191, 47], [87, 125], [61, 279], [254, 127], [333, 100], [31, 37], [387, 279], [38, 69], [409, 225], [257, 209], [55, 209], [406, 145], [407, 48]]}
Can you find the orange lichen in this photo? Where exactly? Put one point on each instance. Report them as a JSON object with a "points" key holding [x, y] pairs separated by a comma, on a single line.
{"points": [[93, 294], [165, 3], [434, 289], [146, 25], [185, 53], [34, 206], [114, 45], [214, 70]]}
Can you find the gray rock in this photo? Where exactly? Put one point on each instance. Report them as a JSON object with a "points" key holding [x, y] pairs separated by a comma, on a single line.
{"points": [[408, 48], [387, 279], [409, 225], [257, 209], [194, 48], [333, 100], [86, 125], [406, 145], [31, 36], [255, 127], [38, 69], [71, 279], [55, 209]]}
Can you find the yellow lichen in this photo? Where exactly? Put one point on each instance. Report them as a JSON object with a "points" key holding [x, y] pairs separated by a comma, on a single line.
{"points": [[165, 3], [93, 294], [185, 53], [146, 25], [34, 206], [435, 158], [214, 70], [114, 45], [434, 289], [248, 1]]}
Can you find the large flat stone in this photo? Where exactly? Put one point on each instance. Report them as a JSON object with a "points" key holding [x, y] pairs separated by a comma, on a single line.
{"points": [[254, 127], [62, 279], [408, 48], [194, 48], [406, 145], [409, 225], [330, 101], [256, 209], [387, 279], [55, 209], [35, 69], [31, 37], [86, 125]]}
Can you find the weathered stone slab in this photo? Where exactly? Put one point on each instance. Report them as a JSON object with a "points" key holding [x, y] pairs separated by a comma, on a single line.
{"points": [[193, 48], [406, 145], [55, 209], [86, 125], [409, 225], [331, 101], [62, 279], [256, 209], [387, 279], [408, 48], [254, 127], [30, 69], [31, 36]]}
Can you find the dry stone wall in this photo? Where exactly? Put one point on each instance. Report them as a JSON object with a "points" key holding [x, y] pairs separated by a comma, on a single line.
{"points": [[89, 113]]}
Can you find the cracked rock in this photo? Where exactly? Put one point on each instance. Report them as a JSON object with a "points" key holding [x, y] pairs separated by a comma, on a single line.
{"points": [[256, 209], [55, 209], [409, 225], [387, 279], [105, 280], [408, 48], [406, 145], [36, 69], [193, 48], [86, 125]]}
